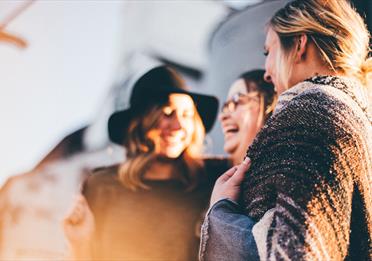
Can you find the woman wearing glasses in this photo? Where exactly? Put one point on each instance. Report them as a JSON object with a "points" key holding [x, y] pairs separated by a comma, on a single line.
{"points": [[249, 104]]}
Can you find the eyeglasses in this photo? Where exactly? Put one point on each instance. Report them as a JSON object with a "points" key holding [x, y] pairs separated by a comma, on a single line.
{"points": [[239, 99]]}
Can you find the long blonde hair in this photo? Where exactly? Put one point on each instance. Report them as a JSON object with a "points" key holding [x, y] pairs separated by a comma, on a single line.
{"points": [[140, 151], [337, 30]]}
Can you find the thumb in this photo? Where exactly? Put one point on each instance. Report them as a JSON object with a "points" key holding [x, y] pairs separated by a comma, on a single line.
{"points": [[239, 174]]}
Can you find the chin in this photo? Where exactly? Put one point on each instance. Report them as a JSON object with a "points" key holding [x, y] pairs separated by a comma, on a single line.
{"points": [[229, 149], [231, 144], [173, 154]]}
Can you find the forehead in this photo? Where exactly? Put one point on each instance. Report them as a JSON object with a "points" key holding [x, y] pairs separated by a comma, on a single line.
{"points": [[237, 87], [271, 38], [180, 100]]}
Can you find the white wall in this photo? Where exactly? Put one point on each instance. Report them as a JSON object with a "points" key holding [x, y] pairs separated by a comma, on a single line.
{"points": [[176, 30], [56, 84], [60, 82]]}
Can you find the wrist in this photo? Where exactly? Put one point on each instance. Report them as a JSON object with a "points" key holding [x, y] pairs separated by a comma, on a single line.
{"points": [[223, 201]]}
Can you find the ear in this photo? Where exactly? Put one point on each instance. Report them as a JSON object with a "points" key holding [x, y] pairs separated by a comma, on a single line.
{"points": [[301, 48]]}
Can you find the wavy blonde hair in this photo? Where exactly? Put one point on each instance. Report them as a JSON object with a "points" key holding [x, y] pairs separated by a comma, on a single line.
{"points": [[140, 151], [337, 30]]}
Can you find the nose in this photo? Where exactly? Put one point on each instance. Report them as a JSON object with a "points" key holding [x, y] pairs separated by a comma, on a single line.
{"points": [[175, 123], [267, 77], [223, 116]]}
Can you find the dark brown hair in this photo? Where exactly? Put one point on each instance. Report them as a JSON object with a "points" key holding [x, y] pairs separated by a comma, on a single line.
{"points": [[254, 82]]}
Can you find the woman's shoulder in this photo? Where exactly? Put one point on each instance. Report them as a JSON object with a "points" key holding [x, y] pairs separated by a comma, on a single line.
{"points": [[105, 170], [320, 100], [102, 186], [333, 93], [305, 95], [103, 176]]}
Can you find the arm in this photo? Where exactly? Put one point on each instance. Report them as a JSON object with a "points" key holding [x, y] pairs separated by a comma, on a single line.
{"points": [[79, 227], [301, 168], [226, 232]]}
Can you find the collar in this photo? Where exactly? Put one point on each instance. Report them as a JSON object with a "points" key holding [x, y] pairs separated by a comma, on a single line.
{"points": [[347, 85]]}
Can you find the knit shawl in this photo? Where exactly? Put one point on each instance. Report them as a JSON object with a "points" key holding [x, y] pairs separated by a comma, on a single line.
{"points": [[312, 164]]}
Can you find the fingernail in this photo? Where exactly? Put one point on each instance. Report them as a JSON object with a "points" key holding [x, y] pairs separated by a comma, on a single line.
{"points": [[246, 160]]}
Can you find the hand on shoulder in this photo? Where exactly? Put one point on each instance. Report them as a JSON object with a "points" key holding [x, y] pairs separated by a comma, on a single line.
{"points": [[228, 184], [79, 224]]}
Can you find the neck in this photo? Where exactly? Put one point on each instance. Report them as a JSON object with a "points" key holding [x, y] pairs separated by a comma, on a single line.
{"points": [[162, 170], [238, 157], [310, 65], [311, 71], [320, 72]]}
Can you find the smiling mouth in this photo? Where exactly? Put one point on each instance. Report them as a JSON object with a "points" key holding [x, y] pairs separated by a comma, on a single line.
{"points": [[173, 139], [230, 130]]}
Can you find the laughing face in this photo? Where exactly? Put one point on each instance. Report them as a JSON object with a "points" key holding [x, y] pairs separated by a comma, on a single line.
{"points": [[240, 119], [176, 126]]}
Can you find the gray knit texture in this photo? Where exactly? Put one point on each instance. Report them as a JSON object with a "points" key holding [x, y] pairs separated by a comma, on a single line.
{"points": [[312, 163]]}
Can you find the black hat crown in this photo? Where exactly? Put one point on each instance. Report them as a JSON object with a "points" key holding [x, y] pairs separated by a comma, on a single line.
{"points": [[152, 88]]}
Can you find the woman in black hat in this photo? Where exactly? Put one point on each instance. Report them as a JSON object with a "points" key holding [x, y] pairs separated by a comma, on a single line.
{"points": [[149, 206]]}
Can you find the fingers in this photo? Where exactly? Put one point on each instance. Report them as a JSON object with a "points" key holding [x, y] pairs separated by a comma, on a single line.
{"points": [[78, 211], [246, 163], [236, 173], [228, 174], [228, 185], [238, 176]]}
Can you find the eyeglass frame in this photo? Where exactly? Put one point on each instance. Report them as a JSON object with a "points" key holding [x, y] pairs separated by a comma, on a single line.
{"points": [[231, 105]]}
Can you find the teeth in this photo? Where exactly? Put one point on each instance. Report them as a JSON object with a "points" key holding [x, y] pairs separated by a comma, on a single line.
{"points": [[174, 138], [231, 129]]}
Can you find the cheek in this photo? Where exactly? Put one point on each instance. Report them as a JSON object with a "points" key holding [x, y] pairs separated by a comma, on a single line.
{"points": [[248, 120], [162, 123], [270, 66], [189, 127], [247, 124], [154, 135], [267, 65]]}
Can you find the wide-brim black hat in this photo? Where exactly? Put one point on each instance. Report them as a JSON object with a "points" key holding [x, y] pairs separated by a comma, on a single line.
{"points": [[152, 88]]}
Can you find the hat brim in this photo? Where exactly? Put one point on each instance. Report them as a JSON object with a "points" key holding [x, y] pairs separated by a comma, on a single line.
{"points": [[207, 107]]}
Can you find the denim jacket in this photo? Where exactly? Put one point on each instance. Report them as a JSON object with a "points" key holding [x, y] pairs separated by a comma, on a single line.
{"points": [[226, 234]]}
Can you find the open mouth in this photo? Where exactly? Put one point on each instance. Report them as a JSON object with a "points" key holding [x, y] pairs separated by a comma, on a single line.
{"points": [[231, 129]]}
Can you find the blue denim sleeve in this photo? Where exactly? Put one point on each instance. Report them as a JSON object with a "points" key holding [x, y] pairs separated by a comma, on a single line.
{"points": [[226, 234]]}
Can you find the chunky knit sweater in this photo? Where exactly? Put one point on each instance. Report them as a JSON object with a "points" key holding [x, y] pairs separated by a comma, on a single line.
{"points": [[312, 165]]}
